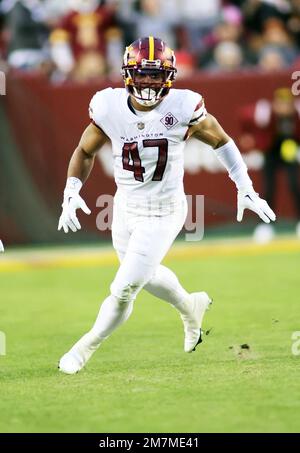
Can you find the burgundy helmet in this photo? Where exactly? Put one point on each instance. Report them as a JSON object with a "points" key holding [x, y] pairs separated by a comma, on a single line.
{"points": [[148, 56]]}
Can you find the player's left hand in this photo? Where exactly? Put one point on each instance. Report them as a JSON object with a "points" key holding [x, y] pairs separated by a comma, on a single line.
{"points": [[249, 199]]}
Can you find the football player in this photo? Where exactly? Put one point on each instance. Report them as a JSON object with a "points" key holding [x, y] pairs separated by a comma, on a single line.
{"points": [[148, 124]]}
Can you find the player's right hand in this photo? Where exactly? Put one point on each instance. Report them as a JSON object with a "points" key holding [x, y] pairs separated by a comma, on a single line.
{"points": [[72, 202]]}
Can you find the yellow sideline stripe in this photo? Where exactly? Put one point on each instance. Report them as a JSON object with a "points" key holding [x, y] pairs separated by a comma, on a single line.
{"points": [[151, 48], [178, 252], [75, 260]]}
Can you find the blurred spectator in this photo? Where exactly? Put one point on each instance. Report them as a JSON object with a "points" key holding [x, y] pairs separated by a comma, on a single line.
{"points": [[54, 10], [228, 57], [26, 34], [87, 37], [271, 59], [185, 64], [198, 19], [80, 44], [229, 27], [270, 43], [276, 35], [257, 12], [125, 14], [293, 23], [150, 17], [228, 30], [274, 127]]}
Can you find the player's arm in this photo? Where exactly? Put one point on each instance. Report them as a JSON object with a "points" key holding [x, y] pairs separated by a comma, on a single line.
{"points": [[80, 166], [82, 160], [209, 131]]}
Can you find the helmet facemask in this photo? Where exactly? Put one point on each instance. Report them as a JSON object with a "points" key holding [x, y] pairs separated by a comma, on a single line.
{"points": [[148, 93], [148, 72]]}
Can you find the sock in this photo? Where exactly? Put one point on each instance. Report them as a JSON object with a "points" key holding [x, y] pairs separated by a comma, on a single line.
{"points": [[111, 315], [165, 285]]}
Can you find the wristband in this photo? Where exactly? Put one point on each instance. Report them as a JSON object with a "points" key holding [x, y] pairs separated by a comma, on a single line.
{"points": [[73, 183]]}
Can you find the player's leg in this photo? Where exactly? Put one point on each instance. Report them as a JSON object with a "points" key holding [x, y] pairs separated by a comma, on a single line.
{"points": [[137, 267], [111, 315], [147, 245], [114, 311], [165, 285]]}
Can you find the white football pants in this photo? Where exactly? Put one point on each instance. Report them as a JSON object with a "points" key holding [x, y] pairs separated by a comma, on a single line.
{"points": [[141, 238]]}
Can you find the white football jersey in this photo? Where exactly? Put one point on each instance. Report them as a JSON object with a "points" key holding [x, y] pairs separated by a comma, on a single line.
{"points": [[147, 146]]}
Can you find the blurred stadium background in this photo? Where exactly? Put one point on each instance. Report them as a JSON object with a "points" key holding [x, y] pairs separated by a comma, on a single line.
{"points": [[57, 54], [241, 55]]}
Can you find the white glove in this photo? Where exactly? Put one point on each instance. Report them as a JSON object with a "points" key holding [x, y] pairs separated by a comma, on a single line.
{"points": [[72, 201], [249, 199]]}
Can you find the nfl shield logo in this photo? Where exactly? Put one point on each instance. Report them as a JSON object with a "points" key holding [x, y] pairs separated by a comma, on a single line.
{"points": [[140, 126]]}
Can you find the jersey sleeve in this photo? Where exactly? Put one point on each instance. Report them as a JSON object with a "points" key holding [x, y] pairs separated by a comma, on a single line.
{"points": [[200, 113], [98, 108]]}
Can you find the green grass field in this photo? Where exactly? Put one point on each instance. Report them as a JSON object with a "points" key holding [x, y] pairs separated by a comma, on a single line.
{"points": [[140, 380]]}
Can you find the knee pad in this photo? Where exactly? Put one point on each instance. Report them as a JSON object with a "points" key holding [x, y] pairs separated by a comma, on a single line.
{"points": [[125, 293]]}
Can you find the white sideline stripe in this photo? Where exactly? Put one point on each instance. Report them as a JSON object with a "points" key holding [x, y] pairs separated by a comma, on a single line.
{"points": [[87, 258]]}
